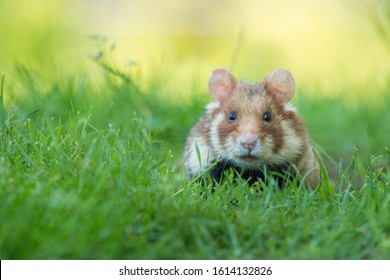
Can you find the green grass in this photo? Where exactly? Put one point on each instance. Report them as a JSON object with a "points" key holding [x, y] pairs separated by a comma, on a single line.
{"points": [[93, 171]]}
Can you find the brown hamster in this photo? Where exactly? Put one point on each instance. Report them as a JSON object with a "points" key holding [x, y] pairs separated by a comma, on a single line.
{"points": [[249, 126]]}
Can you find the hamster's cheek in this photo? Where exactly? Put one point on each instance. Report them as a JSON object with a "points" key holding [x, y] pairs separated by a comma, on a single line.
{"points": [[267, 147], [229, 145], [214, 131]]}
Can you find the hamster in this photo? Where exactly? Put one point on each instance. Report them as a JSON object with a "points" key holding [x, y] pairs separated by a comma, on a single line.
{"points": [[248, 127]]}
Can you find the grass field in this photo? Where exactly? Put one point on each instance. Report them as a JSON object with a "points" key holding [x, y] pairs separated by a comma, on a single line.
{"points": [[89, 175], [91, 167]]}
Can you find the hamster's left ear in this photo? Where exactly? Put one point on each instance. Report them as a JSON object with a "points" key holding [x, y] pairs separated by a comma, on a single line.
{"points": [[280, 84]]}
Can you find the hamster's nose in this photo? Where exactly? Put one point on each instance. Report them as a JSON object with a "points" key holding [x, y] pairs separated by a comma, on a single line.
{"points": [[248, 142]]}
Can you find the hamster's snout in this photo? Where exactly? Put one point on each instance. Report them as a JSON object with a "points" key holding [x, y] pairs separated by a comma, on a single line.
{"points": [[248, 142], [248, 145]]}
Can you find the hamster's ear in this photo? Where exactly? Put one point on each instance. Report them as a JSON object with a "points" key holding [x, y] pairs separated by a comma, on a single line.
{"points": [[221, 84], [280, 84]]}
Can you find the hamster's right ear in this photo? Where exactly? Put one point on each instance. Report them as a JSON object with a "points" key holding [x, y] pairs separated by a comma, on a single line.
{"points": [[221, 84]]}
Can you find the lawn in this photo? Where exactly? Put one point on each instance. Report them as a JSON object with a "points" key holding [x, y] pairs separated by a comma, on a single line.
{"points": [[90, 175], [91, 159]]}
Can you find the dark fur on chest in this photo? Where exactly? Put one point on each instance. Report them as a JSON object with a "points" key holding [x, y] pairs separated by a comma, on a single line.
{"points": [[250, 175]]}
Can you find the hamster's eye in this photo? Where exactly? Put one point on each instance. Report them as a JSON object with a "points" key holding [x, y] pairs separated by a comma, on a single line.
{"points": [[232, 116], [266, 117]]}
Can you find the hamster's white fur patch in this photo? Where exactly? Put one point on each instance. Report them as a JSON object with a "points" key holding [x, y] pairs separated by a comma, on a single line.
{"points": [[194, 163], [214, 137], [290, 107], [212, 106]]}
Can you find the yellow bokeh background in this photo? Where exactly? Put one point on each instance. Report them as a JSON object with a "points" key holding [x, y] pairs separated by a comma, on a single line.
{"points": [[328, 45]]}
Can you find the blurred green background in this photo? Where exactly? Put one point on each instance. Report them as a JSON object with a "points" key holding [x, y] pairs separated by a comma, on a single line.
{"points": [[327, 43], [338, 51]]}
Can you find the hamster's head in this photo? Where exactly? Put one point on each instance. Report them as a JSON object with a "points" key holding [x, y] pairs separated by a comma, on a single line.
{"points": [[253, 124]]}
